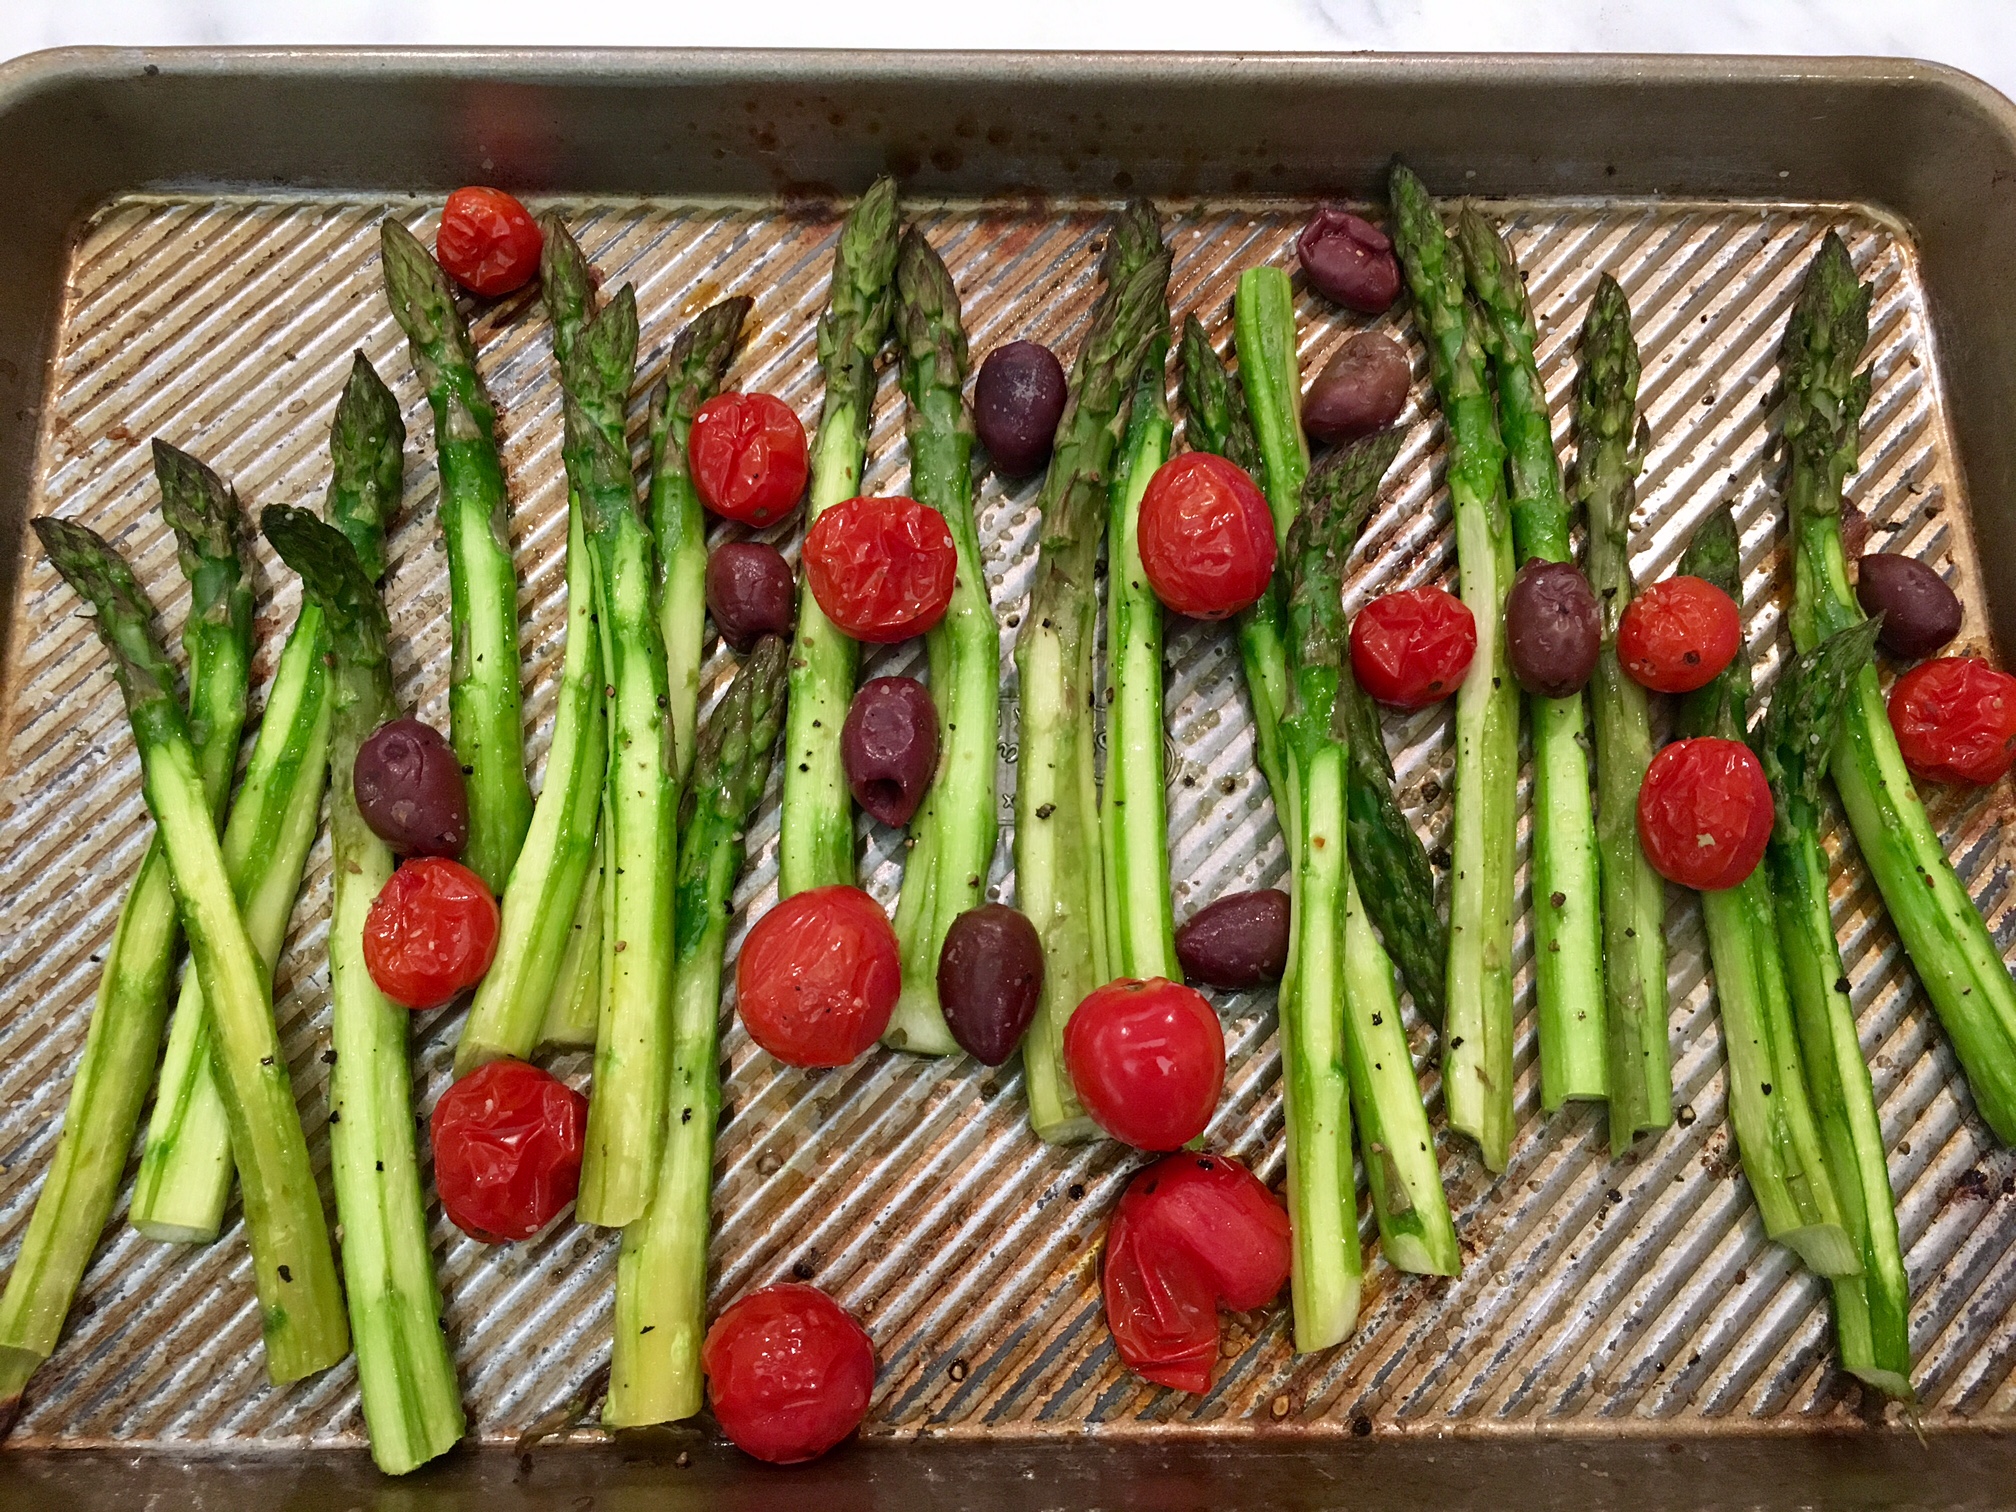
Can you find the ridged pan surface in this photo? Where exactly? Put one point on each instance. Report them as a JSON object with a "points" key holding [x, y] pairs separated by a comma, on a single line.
{"points": [[1594, 1293]]}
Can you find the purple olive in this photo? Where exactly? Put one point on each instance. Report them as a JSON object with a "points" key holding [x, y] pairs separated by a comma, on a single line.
{"points": [[1017, 401], [1238, 942], [889, 747], [750, 592], [990, 973], [1350, 260], [410, 790], [1553, 629], [1360, 390], [1920, 613]]}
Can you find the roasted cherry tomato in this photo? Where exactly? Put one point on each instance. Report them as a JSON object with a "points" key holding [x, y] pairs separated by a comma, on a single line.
{"points": [[507, 1150], [488, 242], [1207, 536], [1410, 649], [1704, 813], [1147, 1060], [818, 977], [881, 568], [1191, 1232], [431, 932], [789, 1373], [1679, 634], [1955, 720], [748, 457]]}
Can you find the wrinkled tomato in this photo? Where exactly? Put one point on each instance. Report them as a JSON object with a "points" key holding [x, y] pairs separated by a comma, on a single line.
{"points": [[488, 242], [1206, 537], [1410, 649], [1191, 1233], [1148, 1061], [748, 457], [1955, 720], [507, 1150], [789, 1373], [1679, 634], [882, 569], [818, 977], [1704, 813], [431, 932]]}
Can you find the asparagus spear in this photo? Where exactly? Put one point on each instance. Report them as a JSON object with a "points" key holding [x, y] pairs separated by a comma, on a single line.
{"points": [[1567, 949], [952, 837], [1955, 957], [816, 843], [1872, 1311], [1609, 452], [661, 1275], [125, 1032], [575, 1004], [301, 1304], [1477, 1029], [485, 719], [1057, 846]]}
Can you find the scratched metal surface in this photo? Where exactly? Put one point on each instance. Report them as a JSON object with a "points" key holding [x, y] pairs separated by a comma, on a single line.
{"points": [[1594, 1294]]}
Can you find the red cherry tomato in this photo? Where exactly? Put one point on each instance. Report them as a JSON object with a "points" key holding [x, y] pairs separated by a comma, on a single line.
{"points": [[748, 457], [507, 1150], [1206, 536], [1191, 1232], [818, 977], [1679, 634], [1147, 1060], [789, 1373], [431, 932], [882, 569], [1410, 649], [1955, 720], [1704, 813], [488, 242]]}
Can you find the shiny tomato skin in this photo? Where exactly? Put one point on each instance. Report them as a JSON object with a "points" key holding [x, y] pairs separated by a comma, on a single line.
{"points": [[882, 569], [1410, 649], [789, 1373], [431, 932], [1206, 537], [1955, 720], [818, 977], [1191, 1232], [1705, 813], [1148, 1061], [749, 457], [1679, 634], [507, 1150], [488, 242]]}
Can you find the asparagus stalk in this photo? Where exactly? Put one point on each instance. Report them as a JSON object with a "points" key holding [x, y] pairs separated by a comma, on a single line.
{"points": [[1609, 452], [485, 719], [952, 837], [574, 1008], [1477, 1028], [125, 1032], [1955, 957], [661, 1274], [816, 843], [1567, 948], [300, 1301]]}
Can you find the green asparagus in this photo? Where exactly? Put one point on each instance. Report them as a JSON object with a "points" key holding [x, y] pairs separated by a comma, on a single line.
{"points": [[574, 1007]]}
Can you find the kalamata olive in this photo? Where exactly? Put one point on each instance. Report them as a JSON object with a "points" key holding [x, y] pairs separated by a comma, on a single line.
{"points": [[750, 592], [889, 747], [1350, 260], [1017, 401], [990, 973], [1553, 628], [410, 790], [1360, 390], [1920, 613], [1240, 941]]}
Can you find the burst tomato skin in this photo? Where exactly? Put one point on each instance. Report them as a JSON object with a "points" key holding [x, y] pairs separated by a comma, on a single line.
{"points": [[1148, 1061], [488, 242], [1410, 649], [1705, 813], [431, 932], [1191, 1232], [882, 569], [749, 457], [1679, 634], [818, 977], [1955, 720], [789, 1373], [1206, 537], [507, 1150]]}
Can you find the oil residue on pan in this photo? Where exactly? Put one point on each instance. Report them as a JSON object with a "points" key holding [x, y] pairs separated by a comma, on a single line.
{"points": [[1642, 1291]]}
